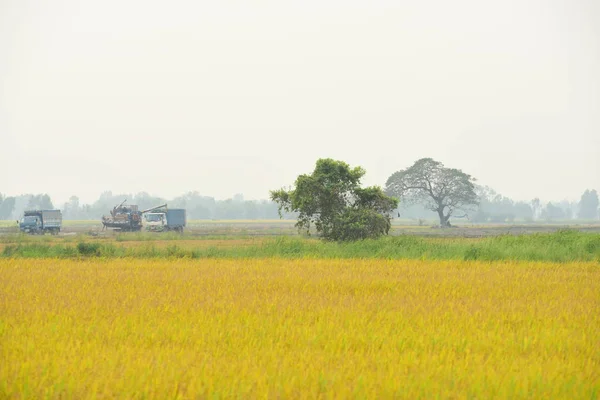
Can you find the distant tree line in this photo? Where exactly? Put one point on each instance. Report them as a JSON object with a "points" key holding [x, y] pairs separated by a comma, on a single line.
{"points": [[427, 190], [496, 208], [197, 206], [13, 207]]}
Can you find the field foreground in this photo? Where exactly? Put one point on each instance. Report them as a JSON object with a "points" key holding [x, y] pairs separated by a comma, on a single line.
{"points": [[139, 328]]}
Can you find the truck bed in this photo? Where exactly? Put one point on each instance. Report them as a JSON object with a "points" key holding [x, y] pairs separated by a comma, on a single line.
{"points": [[51, 218], [176, 217]]}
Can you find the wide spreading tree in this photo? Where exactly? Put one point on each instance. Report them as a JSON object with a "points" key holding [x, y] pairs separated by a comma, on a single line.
{"points": [[440, 189], [331, 200]]}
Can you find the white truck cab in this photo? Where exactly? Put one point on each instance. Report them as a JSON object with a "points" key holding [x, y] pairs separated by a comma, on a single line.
{"points": [[155, 221]]}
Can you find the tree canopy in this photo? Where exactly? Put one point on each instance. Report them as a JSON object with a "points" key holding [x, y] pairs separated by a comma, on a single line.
{"points": [[440, 189], [40, 202], [588, 205], [6, 206], [331, 200], [493, 207]]}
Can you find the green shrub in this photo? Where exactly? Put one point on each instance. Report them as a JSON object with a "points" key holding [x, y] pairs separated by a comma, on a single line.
{"points": [[88, 249]]}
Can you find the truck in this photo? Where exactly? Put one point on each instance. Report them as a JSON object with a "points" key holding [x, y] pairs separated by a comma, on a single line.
{"points": [[162, 219], [41, 221]]}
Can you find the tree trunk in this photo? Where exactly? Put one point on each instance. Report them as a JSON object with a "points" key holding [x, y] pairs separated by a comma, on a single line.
{"points": [[443, 218]]}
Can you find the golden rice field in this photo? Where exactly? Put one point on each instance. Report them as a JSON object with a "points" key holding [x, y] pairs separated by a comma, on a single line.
{"points": [[272, 328]]}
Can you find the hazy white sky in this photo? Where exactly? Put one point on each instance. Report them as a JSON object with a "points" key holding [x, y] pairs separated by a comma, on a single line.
{"points": [[228, 97]]}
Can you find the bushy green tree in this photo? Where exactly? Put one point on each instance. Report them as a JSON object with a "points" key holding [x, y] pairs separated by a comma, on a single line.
{"points": [[331, 200]]}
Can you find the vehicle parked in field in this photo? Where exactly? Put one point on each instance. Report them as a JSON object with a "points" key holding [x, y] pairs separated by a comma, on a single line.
{"points": [[161, 219], [41, 221], [125, 218]]}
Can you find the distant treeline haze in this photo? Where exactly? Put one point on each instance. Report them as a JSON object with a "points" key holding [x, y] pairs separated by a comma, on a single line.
{"points": [[492, 207]]}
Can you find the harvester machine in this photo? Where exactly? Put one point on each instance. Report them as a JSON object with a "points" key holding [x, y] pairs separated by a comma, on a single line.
{"points": [[125, 218]]}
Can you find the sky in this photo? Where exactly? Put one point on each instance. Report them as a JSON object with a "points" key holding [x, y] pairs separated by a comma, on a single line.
{"points": [[226, 97]]}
